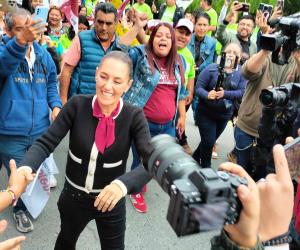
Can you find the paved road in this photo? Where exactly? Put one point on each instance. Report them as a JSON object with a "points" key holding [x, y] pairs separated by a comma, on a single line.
{"points": [[149, 231]]}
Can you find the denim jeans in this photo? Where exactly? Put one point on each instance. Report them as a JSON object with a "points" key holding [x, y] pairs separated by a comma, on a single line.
{"points": [[76, 209], [244, 146], [155, 129], [210, 130], [15, 147]]}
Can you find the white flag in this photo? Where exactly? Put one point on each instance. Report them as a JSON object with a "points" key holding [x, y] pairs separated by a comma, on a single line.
{"points": [[38, 191]]}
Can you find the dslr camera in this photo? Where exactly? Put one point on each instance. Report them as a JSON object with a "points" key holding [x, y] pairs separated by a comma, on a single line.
{"points": [[200, 199], [280, 109], [285, 40], [280, 96]]}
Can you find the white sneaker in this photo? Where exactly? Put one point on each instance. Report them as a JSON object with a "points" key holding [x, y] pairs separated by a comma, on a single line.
{"points": [[214, 154], [52, 181]]}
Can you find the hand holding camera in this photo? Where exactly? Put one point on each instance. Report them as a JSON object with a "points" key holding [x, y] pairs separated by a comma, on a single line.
{"points": [[242, 7], [245, 231], [236, 7], [277, 13], [262, 22]]}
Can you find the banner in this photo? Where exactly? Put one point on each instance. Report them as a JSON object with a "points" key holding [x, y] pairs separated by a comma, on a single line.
{"points": [[122, 7], [38, 191], [70, 8]]}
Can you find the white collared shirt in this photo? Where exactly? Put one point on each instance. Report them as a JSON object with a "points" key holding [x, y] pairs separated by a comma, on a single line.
{"points": [[30, 61]]}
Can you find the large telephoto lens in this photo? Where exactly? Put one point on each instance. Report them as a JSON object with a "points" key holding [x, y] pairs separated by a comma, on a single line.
{"points": [[273, 97], [169, 162]]}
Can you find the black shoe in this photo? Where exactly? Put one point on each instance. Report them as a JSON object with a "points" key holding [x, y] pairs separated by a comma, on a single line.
{"points": [[23, 222]]}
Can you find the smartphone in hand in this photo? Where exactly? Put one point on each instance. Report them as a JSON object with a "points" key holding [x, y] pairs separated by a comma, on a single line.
{"points": [[266, 9], [41, 12], [292, 153], [245, 7]]}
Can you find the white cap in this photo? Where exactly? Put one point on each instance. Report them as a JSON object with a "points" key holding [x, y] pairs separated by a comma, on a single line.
{"points": [[184, 22]]}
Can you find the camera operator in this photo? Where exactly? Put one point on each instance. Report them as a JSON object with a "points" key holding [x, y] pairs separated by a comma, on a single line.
{"points": [[261, 73], [216, 105], [262, 20], [267, 210]]}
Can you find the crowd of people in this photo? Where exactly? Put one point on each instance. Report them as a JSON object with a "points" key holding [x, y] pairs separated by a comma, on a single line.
{"points": [[119, 80]]}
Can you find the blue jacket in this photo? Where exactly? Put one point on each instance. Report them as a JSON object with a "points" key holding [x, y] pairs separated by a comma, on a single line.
{"points": [[24, 102], [144, 81], [207, 51], [234, 87], [83, 77]]}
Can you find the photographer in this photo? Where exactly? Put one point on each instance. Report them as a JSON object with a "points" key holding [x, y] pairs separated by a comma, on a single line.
{"points": [[274, 197], [261, 73], [216, 105], [244, 31]]}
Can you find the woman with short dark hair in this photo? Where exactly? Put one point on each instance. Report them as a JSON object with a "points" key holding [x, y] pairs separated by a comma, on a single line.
{"points": [[101, 130]]}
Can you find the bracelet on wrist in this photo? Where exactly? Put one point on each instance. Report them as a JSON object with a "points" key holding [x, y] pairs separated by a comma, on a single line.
{"points": [[278, 240], [12, 194]]}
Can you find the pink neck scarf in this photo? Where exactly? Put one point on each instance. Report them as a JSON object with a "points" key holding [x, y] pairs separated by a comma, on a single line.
{"points": [[105, 131]]}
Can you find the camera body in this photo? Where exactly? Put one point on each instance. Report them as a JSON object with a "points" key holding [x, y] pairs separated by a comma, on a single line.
{"points": [[284, 41], [281, 95], [279, 112], [200, 199], [225, 61]]}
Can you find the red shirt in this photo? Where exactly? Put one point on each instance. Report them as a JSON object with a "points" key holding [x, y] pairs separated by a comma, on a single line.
{"points": [[161, 106]]}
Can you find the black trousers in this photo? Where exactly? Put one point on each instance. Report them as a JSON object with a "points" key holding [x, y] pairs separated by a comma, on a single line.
{"points": [[182, 140], [77, 209]]}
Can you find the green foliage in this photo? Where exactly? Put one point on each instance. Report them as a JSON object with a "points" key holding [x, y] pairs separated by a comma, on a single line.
{"points": [[291, 6]]}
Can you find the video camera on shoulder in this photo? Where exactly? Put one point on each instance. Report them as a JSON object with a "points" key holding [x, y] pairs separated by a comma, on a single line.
{"points": [[279, 112], [200, 199], [285, 40], [280, 96]]}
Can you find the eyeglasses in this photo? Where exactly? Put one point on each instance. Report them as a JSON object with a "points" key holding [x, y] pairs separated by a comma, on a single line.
{"points": [[228, 52], [12, 2]]}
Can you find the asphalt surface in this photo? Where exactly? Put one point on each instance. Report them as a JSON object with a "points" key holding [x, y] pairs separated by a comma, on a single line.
{"points": [[149, 231]]}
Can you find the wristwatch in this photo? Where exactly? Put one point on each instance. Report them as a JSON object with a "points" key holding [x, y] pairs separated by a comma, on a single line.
{"points": [[278, 240]]}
